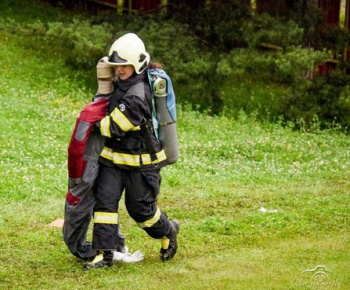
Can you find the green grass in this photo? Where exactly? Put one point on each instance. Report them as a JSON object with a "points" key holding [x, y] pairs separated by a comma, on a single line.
{"points": [[228, 170]]}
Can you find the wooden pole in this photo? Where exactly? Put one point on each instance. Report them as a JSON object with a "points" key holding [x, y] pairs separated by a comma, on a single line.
{"points": [[120, 6], [130, 7], [347, 15], [347, 28]]}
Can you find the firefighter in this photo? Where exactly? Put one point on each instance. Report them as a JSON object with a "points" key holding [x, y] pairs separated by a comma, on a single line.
{"points": [[126, 163]]}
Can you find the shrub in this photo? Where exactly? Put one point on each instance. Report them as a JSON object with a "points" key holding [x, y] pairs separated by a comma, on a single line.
{"points": [[217, 24], [81, 42], [264, 29], [327, 97], [215, 68]]}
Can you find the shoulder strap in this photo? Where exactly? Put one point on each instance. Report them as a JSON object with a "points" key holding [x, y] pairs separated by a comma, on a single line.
{"points": [[146, 128]]}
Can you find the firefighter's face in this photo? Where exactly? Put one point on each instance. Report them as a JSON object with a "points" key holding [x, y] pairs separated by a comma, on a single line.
{"points": [[124, 71]]}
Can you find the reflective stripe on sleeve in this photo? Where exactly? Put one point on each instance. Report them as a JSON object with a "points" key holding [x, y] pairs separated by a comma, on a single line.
{"points": [[105, 126], [151, 221], [123, 121], [105, 218]]}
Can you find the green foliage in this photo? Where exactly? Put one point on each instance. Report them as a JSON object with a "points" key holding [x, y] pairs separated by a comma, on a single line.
{"points": [[265, 82], [265, 29], [295, 45], [203, 22], [318, 34], [326, 97], [288, 67], [81, 42], [29, 13], [219, 69]]}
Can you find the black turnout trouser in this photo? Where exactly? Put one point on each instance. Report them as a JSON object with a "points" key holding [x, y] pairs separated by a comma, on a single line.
{"points": [[141, 191]]}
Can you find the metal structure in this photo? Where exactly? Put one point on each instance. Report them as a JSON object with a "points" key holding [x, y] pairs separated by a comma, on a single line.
{"points": [[131, 6]]}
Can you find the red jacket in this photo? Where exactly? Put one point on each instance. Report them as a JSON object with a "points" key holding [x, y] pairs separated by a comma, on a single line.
{"points": [[78, 151]]}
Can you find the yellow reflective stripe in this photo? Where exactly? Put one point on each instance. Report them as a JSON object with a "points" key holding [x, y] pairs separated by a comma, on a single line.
{"points": [[131, 159], [98, 258], [165, 242], [107, 153], [151, 221], [146, 158], [105, 218], [123, 121], [104, 126], [120, 158], [126, 159]]}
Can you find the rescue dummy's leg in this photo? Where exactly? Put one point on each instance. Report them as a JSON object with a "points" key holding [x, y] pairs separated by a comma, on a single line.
{"points": [[142, 189], [76, 224]]}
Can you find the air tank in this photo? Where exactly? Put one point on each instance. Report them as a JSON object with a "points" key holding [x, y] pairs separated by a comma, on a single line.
{"points": [[167, 130]]}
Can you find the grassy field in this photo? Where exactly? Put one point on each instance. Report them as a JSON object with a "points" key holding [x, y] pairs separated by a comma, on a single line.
{"points": [[259, 205]]}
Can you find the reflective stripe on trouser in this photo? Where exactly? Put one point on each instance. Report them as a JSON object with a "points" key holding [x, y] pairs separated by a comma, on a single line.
{"points": [[157, 226], [106, 218], [153, 220], [105, 230]]}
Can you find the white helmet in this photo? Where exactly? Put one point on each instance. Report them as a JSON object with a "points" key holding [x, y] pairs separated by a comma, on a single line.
{"points": [[129, 49]]}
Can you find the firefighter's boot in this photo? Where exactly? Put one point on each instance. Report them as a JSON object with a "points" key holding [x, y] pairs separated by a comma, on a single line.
{"points": [[101, 260], [169, 243]]}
